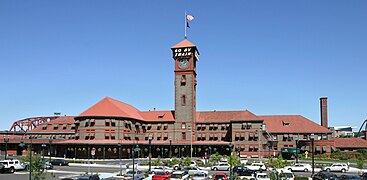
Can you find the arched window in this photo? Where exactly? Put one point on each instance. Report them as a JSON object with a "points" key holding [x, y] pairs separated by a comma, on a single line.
{"points": [[183, 100]]}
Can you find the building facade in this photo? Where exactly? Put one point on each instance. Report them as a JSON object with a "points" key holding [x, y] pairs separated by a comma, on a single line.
{"points": [[113, 129]]}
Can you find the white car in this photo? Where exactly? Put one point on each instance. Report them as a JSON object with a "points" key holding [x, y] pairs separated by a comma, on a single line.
{"points": [[299, 167], [200, 176], [221, 167], [286, 175], [161, 168], [262, 176], [196, 170], [13, 165], [257, 166], [342, 167]]}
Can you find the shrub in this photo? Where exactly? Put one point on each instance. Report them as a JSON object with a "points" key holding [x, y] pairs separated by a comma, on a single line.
{"points": [[360, 164]]}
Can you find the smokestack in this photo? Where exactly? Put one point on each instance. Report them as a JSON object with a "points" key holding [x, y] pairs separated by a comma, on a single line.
{"points": [[323, 111]]}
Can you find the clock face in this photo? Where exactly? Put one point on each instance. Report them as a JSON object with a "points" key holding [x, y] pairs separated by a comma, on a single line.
{"points": [[184, 63]]}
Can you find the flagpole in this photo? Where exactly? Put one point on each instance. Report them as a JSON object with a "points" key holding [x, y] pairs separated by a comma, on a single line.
{"points": [[185, 25]]}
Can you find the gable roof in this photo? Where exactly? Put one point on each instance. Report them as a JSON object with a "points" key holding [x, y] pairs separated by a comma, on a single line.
{"points": [[292, 124], [350, 143], [184, 43], [112, 108], [224, 116]]}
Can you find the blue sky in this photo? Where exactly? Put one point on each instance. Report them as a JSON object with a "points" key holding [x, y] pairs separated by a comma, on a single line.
{"points": [[270, 57]]}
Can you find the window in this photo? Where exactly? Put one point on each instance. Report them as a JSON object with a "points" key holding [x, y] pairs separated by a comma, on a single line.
{"points": [[86, 123], [113, 123], [44, 126], [183, 80], [183, 125], [64, 126], [183, 100], [183, 135], [56, 126], [107, 122], [73, 126]]}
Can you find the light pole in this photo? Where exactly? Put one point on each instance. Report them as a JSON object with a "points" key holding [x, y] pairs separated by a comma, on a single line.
{"points": [[190, 128], [170, 147], [119, 146], [30, 159], [6, 140], [313, 152], [296, 138], [43, 154], [150, 152], [230, 160], [50, 152], [134, 149]]}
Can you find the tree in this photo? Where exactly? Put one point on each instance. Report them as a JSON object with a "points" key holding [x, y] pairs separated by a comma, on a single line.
{"points": [[36, 166]]}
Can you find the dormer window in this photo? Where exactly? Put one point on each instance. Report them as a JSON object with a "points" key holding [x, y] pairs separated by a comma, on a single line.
{"points": [[286, 123], [160, 116]]}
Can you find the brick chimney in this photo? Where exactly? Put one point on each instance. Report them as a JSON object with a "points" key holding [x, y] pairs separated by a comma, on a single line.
{"points": [[323, 111]]}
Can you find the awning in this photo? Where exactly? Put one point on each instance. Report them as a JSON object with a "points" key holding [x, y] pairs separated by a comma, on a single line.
{"points": [[125, 135], [256, 147], [223, 135], [137, 124], [215, 125], [112, 134], [244, 124], [237, 134], [159, 134], [64, 126], [44, 125], [227, 125], [92, 120], [216, 135], [165, 134], [251, 134], [165, 124], [242, 135], [159, 124], [211, 125], [149, 125], [317, 148], [242, 147], [211, 135], [199, 125], [257, 134], [251, 147], [56, 125]]}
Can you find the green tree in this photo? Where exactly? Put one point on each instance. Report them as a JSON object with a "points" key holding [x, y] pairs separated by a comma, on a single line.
{"points": [[279, 162], [36, 166], [186, 161]]}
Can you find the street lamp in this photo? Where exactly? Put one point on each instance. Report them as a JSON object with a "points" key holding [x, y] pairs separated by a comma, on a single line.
{"points": [[312, 146], [136, 148], [296, 138], [230, 160], [43, 154], [50, 151], [119, 146], [170, 147], [30, 158], [150, 152], [6, 140]]}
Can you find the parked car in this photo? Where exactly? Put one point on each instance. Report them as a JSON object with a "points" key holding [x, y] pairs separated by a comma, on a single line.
{"points": [[177, 166], [2, 168], [161, 175], [137, 173], [364, 176], [179, 175], [257, 166], [195, 170], [220, 176], [161, 168], [200, 176], [59, 162], [349, 176], [324, 175], [48, 165], [221, 167], [299, 167], [93, 177], [262, 176], [342, 167], [243, 171], [12, 165], [286, 175]]}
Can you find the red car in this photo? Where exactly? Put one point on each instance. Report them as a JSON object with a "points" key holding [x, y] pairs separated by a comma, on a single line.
{"points": [[161, 175], [220, 176]]}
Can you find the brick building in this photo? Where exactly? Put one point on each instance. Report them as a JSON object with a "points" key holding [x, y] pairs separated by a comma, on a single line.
{"points": [[111, 127]]}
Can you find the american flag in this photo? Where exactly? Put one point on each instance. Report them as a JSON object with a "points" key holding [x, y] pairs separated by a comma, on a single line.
{"points": [[189, 17]]}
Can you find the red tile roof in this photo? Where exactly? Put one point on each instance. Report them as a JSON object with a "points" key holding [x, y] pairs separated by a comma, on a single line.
{"points": [[184, 43], [292, 124], [158, 115], [60, 121], [224, 116], [112, 108], [350, 143]]}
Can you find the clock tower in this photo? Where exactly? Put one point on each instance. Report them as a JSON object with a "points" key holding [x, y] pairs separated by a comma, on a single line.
{"points": [[185, 55]]}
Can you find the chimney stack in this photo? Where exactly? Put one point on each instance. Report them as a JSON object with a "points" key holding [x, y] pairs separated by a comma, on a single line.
{"points": [[323, 111]]}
